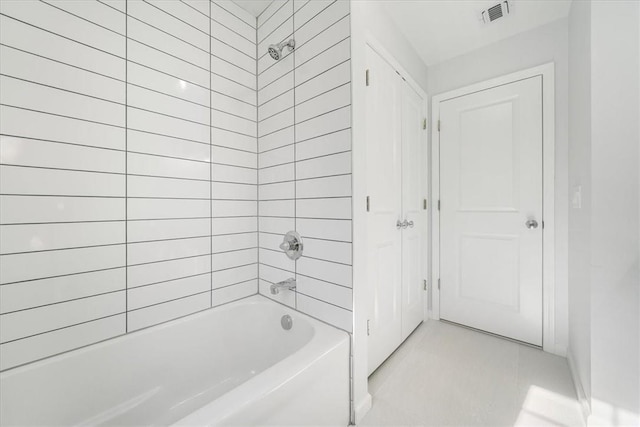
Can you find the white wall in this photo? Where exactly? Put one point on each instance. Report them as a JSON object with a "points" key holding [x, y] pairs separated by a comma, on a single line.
{"points": [[385, 31], [579, 351], [615, 303], [129, 174], [541, 45]]}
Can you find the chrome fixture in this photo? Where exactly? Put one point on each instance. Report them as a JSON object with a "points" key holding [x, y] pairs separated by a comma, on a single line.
{"points": [[285, 284], [532, 223], [287, 322], [275, 50], [404, 224], [292, 245]]}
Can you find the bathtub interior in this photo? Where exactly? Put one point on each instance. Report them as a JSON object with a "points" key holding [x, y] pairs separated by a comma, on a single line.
{"points": [[158, 375]]}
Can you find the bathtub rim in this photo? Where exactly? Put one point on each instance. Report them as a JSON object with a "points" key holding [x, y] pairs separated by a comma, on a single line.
{"points": [[252, 299]]}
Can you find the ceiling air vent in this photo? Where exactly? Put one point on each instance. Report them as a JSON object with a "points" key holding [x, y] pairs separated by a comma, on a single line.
{"points": [[497, 11]]}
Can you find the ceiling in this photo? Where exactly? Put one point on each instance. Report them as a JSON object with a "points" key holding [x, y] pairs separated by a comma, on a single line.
{"points": [[254, 7], [440, 30]]}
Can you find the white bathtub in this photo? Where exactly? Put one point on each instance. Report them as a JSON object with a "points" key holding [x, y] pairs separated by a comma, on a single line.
{"points": [[232, 365]]}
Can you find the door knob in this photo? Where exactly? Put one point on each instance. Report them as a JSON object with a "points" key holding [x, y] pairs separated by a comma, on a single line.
{"points": [[532, 223], [410, 224]]}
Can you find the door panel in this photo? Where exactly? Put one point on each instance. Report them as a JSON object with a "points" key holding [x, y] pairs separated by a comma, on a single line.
{"points": [[413, 258], [383, 183], [490, 186]]}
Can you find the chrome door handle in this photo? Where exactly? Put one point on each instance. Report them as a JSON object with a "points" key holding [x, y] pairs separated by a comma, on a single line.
{"points": [[532, 223], [402, 224]]}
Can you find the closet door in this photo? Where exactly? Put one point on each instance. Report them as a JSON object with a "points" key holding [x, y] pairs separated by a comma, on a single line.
{"points": [[384, 182], [413, 259]]}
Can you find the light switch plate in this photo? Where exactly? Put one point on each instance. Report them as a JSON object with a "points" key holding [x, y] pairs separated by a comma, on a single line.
{"points": [[576, 198]]}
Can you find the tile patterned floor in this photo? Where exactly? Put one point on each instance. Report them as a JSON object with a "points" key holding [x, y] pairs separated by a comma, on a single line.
{"points": [[446, 375]]}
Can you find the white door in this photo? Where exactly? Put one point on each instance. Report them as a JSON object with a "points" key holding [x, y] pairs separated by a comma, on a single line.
{"points": [[385, 200], [491, 210], [413, 257]]}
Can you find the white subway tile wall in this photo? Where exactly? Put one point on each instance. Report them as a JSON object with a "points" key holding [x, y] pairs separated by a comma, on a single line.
{"points": [[152, 156], [304, 160], [128, 167]]}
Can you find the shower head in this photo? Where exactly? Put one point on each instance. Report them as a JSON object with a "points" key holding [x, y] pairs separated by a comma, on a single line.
{"points": [[275, 50]]}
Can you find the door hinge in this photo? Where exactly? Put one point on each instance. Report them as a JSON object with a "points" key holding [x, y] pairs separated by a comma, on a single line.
{"points": [[438, 125], [366, 78], [438, 204], [438, 284], [368, 204], [424, 123], [424, 282], [424, 204], [368, 330], [542, 224]]}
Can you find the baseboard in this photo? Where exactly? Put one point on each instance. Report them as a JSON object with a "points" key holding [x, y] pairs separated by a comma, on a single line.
{"points": [[363, 407], [585, 405]]}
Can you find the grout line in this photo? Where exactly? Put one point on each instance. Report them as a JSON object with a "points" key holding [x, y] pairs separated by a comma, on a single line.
{"points": [[63, 301], [166, 302], [8, 224], [62, 275], [61, 36], [111, 7], [211, 160], [170, 280], [302, 102], [308, 80], [231, 46], [232, 30], [295, 127], [175, 17], [310, 257], [75, 144], [270, 16], [164, 52], [58, 329], [85, 19], [167, 33], [130, 61], [257, 159], [61, 62], [193, 8], [126, 168], [61, 115], [310, 237], [236, 16]]}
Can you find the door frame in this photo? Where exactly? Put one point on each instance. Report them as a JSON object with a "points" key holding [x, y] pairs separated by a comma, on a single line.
{"points": [[548, 191], [360, 38]]}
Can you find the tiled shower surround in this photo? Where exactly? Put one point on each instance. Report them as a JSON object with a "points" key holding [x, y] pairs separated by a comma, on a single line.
{"points": [[304, 155], [144, 145]]}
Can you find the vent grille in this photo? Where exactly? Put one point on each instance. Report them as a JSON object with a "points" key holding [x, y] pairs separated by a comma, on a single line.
{"points": [[495, 12]]}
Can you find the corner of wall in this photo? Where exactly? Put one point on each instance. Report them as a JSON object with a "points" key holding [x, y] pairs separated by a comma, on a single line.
{"points": [[583, 399]]}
